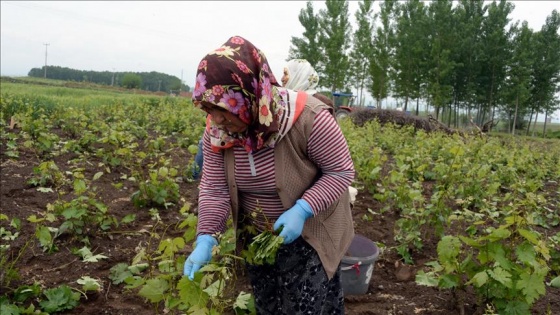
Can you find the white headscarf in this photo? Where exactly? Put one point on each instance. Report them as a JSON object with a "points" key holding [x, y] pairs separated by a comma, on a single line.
{"points": [[302, 76]]}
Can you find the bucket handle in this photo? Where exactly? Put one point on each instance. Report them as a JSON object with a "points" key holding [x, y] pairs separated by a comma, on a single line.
{"points": [[355, 266]]}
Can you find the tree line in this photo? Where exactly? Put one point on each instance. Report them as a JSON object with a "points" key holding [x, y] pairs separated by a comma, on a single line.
{"points": [[149, 81], [464, 59]]}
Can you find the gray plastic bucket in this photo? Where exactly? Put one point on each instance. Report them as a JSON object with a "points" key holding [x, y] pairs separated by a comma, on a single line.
{"points": [[357, 265]]}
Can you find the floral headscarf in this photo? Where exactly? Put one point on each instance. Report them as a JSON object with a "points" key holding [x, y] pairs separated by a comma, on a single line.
{"points": [[302, 76], [238, 78]]}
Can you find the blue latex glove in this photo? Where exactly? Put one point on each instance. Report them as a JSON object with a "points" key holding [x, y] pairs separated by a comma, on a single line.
{"points": [[201, 255], [292, 220]]}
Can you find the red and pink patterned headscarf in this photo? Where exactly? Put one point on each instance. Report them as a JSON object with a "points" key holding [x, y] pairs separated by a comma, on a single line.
{"points": [[237, 77]]}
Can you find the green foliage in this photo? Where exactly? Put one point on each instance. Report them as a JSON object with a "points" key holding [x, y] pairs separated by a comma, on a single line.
{"points": [[46, 238], [47, 174], [244, 304], [59, 299], [334, 37], [307, 47], [90, 284], [412, 52], [381, 57], [131, 81], [83, 215], [122, 272], [9, 260], [153, 81], [211, 291], [487, 203], [11, 150], [262, 249], [506, 266], [492, 194], [154, 289], [160, 189], [360, 55], [440, 59], [88, 256]]}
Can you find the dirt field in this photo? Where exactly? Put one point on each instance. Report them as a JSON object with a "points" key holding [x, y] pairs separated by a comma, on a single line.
{"points": [[392, 289]]}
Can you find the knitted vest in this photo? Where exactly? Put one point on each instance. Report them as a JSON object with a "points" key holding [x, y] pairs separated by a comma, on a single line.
{"points": [[332, 230]]}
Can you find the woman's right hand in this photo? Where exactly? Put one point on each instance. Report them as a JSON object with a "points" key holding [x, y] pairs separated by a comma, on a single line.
{"points": [[292, 221], [201, 255]]}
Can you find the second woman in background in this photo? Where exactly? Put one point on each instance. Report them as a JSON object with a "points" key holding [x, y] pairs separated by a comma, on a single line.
{"points": [[299, 75]]}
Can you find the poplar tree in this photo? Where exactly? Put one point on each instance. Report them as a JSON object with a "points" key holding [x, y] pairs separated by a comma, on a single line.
{"points": [[494, 55], [360, 56], [440, 64], [307, 47], [335, 33], [546, 67], [380, 70], [518, 75], [410, 50], [470, 14]]}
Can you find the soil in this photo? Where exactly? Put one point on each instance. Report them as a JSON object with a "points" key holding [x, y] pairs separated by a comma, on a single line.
{"points": [[392, 289]]}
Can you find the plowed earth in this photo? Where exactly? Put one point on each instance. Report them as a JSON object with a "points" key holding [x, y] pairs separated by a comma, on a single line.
{"points": [[392, 289]]}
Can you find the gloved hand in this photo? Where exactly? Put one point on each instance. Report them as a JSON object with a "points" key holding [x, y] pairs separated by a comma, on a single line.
{"points": [[200, 256], [292, 220]]}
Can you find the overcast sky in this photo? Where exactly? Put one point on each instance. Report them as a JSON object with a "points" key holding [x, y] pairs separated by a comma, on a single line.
{"points": [[163, 36]]}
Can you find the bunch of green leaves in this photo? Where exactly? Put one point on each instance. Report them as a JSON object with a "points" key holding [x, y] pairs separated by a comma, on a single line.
{"points": [[212, 289], [15, 302], [122, 272], [262, 250], [47, 143], [506, 266], [158, 277], [47, 174], [45, 235], [83, 215], [11, 149], [36, 132], [9, 257], [160, 189], [90, 284], [84, 143], [88, 256], [59, 299], [120, 146]]}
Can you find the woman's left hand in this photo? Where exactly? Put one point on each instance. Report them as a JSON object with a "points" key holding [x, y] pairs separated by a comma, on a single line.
{"points": [[292, 221]]}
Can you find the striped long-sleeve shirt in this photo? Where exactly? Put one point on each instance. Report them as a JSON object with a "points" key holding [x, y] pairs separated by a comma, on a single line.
{"points": [[256, 179]]}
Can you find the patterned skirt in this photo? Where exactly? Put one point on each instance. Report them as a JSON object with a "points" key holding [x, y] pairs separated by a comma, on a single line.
{"points": [[296, 283]]}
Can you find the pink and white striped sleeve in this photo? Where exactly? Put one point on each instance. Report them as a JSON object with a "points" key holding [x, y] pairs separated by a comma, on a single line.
{"points": [[328, 149], [213, 199]]}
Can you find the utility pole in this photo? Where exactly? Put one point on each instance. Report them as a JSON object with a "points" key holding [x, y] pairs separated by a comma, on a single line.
{"points": [[159, 86], [181, 85], [46, 45], [113, 77]]}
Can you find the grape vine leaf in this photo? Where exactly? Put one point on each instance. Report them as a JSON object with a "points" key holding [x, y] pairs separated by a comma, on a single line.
{"points": [[555, 283], [154, 289], [59, 299], [119, 273], [190, 292], [480, 279], [426, 279], [501, 275], [532, 285], [517, 308], [244, 304]]}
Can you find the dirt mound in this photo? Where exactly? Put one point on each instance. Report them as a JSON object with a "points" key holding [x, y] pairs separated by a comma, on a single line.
{"points": [[385, 116]]}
